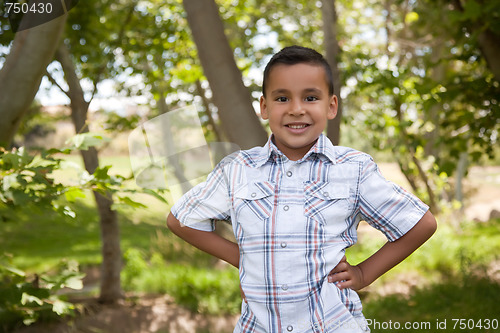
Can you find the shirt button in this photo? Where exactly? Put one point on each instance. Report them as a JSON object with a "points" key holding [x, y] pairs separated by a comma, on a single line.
{"points": [[289, 328], [283, 244], [284, 287], [326, 194], [253, 195], [286, 208], [289, 174]]}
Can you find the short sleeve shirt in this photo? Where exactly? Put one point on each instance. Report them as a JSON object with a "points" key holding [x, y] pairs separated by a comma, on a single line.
{"points": [[293, 221]]}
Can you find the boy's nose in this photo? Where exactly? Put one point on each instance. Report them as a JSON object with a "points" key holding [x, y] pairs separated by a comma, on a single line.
{"points": [[296, 109]]}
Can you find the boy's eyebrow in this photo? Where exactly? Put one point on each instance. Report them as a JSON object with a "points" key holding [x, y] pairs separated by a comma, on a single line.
{"points": [[279, 91], [313, 90], [285, 91]]}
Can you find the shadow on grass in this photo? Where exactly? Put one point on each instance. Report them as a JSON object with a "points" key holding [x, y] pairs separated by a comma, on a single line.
{"points": [[439, 307]]}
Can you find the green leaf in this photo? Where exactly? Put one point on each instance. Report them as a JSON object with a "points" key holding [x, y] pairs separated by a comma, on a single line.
{"points": [[61, 307], [74, 282], [26, 299], [101, 173], [86, 140], [156, 195], [411, 17], [73, 193], [472, 10], [9, 181], [69, 212], [131, 203], [14, 270]]}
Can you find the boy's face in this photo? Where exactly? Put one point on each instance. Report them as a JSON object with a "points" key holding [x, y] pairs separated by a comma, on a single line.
{"points": [[298, 107]]}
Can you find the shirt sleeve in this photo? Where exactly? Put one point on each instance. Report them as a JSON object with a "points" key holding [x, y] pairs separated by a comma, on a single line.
{"points": [[204, 203], [387, 206]]}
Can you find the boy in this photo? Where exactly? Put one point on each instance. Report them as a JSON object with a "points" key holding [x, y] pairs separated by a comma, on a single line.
{"points": [[295, 205]]}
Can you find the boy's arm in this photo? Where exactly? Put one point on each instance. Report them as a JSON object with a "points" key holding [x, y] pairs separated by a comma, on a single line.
{"points": [[206, 241], [388, 256]]}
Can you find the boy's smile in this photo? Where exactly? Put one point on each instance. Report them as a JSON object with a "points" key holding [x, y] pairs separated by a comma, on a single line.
{"points": [[298, 106]]}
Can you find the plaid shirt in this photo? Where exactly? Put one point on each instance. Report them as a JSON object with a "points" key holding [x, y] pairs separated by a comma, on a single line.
{"points": [[293, 221]]}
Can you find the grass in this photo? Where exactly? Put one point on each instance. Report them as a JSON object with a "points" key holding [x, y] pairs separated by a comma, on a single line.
{"points": [[447, 280], [438, 307], [39, 239]]}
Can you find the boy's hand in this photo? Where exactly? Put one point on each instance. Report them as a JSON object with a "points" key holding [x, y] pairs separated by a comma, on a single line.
{"points": [[347, 276], [242, 294]]}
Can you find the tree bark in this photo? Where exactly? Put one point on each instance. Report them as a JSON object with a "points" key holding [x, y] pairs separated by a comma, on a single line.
{"points": [[489, 43], [110, 291], [31, 52], [232, 98], [206, 104], [332, 49]]}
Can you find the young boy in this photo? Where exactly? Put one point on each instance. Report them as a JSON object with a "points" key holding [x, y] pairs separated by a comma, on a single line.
{"points": [[295, 205]]}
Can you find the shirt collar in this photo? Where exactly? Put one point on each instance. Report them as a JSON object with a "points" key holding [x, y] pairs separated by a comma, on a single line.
{"points": [[322, 147]]}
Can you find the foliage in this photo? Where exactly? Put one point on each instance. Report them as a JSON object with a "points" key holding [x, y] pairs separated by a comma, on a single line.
{"points": [[27, 179], [27, 183], [203, 290], [425, 92], [466, 296], [29, 299]]}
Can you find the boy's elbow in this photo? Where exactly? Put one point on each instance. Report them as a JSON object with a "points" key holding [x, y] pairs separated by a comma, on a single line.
{"points": [[430, 223], [172, 222]]}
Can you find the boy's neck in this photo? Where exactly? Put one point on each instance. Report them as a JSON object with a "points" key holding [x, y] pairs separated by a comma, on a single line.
{"points": [[291, 153]]}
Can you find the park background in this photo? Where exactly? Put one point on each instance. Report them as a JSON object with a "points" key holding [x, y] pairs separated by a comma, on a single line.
{"points": [[84, 249]]}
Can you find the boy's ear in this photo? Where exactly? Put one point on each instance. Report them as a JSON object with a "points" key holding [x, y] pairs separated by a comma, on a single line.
{"points": [[332, 107], [263, 108]]}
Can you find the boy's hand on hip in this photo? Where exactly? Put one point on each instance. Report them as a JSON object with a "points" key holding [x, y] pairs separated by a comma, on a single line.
{"points": [[243, 294], [346, 276]]}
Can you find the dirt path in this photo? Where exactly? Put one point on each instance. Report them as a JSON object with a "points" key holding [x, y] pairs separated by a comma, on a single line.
{"points": [[147, 313]]}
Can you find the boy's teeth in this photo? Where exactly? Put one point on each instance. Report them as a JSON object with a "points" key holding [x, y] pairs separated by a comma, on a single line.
{"points": [[296, 126]]}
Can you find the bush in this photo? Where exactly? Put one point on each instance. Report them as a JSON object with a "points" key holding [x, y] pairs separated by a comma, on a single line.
{"points": [[24, 301]]}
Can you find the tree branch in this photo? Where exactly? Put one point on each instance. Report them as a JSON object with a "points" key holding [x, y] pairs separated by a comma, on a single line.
{"points": [[54, 82]]}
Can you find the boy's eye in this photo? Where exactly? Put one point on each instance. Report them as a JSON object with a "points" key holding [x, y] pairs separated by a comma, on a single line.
{"points": [[311, 98], [281, 99]]}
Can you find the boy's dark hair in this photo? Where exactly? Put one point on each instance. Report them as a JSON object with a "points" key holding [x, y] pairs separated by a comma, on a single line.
{"points": [[292, 55]]}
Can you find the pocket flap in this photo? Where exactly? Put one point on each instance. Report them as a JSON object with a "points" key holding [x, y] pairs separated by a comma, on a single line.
{"points": [[327, 191], [255, 190]]}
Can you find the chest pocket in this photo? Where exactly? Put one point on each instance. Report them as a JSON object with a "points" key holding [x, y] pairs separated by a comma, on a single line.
{"points": [[254, 202], [326, 202]]}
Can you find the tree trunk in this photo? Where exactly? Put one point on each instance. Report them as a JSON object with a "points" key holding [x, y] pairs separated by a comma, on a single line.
{"points": [[168, 139], [409, 148], [489, 43], [332, 49], [232, 98], [110, 232], [31, 52], [206, 104]]}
